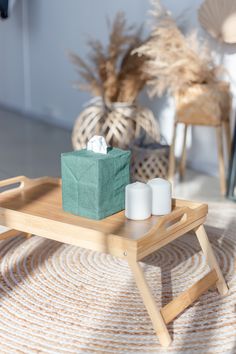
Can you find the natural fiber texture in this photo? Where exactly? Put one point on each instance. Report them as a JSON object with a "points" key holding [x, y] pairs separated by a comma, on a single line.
{"points": [[184, 66], [204, 104], [219, 20], [147, 163], [113, 72], [120, 124], [61, 299], [174, 61]]}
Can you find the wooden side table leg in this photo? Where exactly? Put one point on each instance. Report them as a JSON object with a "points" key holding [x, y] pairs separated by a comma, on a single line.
{"points": [[171, 172], [219, 136], [228, 136], [183, 156], [211, 259], [150, 304]]}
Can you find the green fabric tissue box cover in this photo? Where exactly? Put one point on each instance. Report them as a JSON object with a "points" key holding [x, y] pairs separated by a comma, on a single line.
{"points": [[93, 184]]}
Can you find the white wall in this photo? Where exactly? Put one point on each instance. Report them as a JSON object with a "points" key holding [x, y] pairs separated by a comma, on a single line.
{"points": [[36, 75], [52, 28]]}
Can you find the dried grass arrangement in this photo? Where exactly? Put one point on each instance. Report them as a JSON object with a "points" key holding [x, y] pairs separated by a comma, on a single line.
{"points": [[184, 67], [113, 73], [116, 76]]}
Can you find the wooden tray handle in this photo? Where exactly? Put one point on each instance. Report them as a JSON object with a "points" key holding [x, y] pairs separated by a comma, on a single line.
{"points": [[172, 221], [11, 184], [176, 218], [16, 183]]}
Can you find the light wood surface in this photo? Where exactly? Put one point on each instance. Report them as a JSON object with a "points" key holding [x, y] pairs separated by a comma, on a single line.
{"points": [[9, 234], [221, 127], [228, 138], [172, 226], [219, 138], [13, 233], [150, 304], [182, 165], [171, 171], [16, 184], [35, 207], [211, 259], [184, 300]]}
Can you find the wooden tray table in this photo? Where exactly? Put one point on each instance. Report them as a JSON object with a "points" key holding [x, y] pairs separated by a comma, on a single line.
{"points": [[34, 206]]}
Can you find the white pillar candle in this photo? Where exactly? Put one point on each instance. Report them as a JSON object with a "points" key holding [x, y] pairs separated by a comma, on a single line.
{"points": [[138, 201], [161, 196]]}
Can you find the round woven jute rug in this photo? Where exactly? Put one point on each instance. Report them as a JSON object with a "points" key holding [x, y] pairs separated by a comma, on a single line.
{"points": [[56, 298]]}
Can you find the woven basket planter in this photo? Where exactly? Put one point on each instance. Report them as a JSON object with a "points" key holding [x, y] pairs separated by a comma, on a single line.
{"points": [[207, 104], [119, 123], [149, 162]]}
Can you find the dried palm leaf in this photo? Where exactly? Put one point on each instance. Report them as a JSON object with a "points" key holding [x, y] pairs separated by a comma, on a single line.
{"points": [[87, 74], [174, 61], [113, 72]]}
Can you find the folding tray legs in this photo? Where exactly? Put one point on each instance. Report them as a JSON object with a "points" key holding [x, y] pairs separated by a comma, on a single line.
{"points": [[161, 317], [13, 233]]}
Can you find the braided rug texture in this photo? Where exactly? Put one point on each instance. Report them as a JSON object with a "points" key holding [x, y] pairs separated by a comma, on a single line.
{"points": [[56, 298]]}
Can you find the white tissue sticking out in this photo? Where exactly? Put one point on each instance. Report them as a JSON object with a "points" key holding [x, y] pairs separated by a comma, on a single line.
{"points": [[97, 144]]}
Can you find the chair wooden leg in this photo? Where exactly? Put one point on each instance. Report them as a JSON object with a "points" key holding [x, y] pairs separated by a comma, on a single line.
{"points": [[228, 137], [211, 259], [171, 172], [150, 304], [221, 159], [183, 156]]}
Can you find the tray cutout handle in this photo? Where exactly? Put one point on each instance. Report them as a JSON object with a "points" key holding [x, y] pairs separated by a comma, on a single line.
{"points": [[176, 221], [170, 222], [12, 184]]}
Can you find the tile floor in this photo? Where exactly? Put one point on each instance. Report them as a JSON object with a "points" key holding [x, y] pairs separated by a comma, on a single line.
{"points": [[32, 148]]}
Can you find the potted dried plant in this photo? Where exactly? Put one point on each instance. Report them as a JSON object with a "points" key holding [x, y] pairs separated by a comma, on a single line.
{"points": [[184, 67], [114, 76]]}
